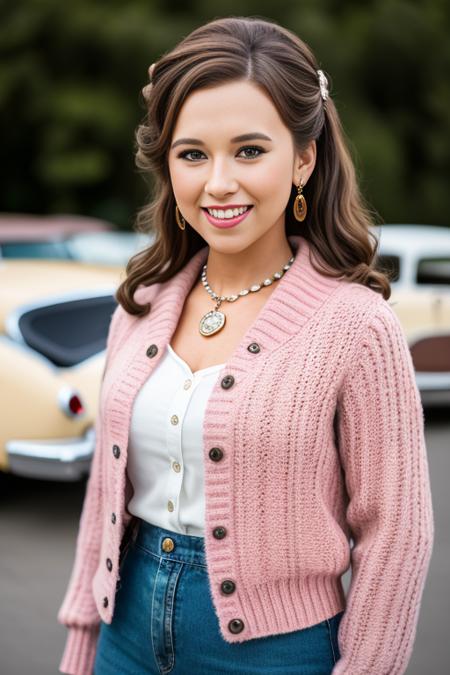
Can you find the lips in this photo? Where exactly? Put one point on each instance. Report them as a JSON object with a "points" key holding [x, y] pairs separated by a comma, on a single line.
{"points": [[226, 222]]}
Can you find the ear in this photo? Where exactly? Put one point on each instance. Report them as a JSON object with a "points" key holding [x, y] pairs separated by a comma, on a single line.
{"points": [[304, 163]]}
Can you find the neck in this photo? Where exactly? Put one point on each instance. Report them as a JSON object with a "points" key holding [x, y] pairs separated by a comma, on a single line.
{"points": [[229, 273]]}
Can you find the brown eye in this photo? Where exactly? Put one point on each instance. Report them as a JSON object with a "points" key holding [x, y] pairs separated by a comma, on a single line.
{"points": [[259, 150]]}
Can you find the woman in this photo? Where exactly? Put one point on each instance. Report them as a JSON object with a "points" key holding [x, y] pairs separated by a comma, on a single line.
{"points": [[259, 409]]}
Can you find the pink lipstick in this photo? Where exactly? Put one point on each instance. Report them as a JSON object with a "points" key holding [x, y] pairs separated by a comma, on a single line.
{"points": [[226, 222]]}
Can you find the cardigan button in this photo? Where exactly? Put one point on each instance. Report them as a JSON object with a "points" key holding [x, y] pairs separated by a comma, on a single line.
{"points": [[113, 518], [105, 602], [227, 381], [219, 532], [254, 348], [109, 564], [215, 454], [152, 351], [116, 451], [227, 586], [235, 625]]}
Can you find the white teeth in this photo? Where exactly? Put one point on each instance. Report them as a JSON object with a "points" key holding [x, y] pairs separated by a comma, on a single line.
{"points": [[229, 213]]}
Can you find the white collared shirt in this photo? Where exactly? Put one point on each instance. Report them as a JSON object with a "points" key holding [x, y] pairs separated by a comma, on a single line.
{"points": [[165, 450]]}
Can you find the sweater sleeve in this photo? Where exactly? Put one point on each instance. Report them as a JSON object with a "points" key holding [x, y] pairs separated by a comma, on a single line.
{"points": [[78, 611], [383, 453]]}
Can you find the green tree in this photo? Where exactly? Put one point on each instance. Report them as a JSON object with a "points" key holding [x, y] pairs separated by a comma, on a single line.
{"points": [[71, 75]]}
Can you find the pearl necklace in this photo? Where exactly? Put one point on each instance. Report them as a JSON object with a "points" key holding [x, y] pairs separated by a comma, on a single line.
{"points": [[214, 320]]}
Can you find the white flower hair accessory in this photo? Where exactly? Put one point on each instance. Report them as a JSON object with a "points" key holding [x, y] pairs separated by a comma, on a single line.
{"points": [[323, 84]]}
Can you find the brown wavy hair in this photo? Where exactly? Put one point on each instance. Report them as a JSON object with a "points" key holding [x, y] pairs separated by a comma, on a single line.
{"points": [[338, 222]]}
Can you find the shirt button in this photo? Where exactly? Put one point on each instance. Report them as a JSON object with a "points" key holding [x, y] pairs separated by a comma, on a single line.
{"points": [[174, 419], [170, 505], [176, 466], [116, 451], [254, 348], [235, 625], [113, 518], [219, 532], [152, 351], [215, 454], [227, 381], [227, 586], [105, 602], [109, 564], [187, 384]]}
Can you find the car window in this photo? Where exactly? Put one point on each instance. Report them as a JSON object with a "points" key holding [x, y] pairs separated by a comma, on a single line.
{"points": [[68, 332], [434, 271], [53, 250], [106, 248], [390, 265]]}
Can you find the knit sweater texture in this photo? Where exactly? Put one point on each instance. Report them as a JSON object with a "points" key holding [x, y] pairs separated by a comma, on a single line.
{"points": [[324, 467]]}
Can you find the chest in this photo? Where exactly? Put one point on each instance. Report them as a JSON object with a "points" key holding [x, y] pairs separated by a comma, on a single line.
{"points": [[199, 351]]}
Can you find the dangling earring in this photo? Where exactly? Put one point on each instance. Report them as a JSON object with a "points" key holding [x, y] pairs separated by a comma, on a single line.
{"points": [[300, 208], [180, 220]]}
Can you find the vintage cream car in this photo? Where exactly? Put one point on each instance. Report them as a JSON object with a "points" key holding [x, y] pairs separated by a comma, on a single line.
{"points": [[54, 318], [417, 258]]}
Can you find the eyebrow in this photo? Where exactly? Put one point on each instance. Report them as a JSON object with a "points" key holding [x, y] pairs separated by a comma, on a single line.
{"points": [[255, 135]]}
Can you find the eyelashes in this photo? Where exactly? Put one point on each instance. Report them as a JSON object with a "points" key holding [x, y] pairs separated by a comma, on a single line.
{"points": [[261, 151]]}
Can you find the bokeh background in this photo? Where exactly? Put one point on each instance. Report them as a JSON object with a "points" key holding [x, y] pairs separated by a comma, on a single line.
{"points": [[71, 76]]}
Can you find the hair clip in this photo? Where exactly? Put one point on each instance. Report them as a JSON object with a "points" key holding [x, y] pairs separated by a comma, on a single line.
{"points": [[323, 83]]}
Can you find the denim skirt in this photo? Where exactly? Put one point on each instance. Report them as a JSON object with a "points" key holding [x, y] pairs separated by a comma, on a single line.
{"points": [[164, 620]]}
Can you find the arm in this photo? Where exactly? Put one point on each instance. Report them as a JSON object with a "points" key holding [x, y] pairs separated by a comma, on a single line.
{"points": [[78, 610], [382, 446]]}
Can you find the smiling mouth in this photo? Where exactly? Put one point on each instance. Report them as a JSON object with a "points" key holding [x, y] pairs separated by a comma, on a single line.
{"points": [[247, 207]]}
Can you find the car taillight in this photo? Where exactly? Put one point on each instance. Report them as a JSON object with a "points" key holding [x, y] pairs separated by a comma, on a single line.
{"points": [[75, 405], [70, 402]]}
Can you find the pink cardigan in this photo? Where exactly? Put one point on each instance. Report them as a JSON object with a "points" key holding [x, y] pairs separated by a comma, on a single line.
{"points": [[320, 423]]}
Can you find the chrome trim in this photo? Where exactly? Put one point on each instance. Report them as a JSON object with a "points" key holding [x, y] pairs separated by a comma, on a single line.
{"points": [[433, 381], [66, 459]]}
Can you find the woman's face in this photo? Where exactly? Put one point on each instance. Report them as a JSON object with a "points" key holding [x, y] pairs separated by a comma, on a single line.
{"points": [[209, 167]]}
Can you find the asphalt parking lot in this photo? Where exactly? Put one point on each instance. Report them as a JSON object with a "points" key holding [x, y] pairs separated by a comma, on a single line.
{"points": [[38, 529]]}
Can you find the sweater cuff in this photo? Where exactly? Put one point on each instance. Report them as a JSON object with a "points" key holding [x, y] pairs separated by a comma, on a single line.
{"points": [[80, 649], [340, 668]]}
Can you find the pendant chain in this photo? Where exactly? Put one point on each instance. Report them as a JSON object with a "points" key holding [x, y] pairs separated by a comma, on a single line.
{"points": [[214, 320]]}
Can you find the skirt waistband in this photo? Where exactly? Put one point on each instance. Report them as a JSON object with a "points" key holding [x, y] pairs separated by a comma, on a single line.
{"points": [[172, 545]]}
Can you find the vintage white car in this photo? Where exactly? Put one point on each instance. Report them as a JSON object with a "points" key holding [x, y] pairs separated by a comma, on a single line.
{"points": [[417, 258]]}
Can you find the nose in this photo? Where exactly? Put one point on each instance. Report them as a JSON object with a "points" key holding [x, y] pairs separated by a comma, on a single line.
{"points": [[221, 180]]}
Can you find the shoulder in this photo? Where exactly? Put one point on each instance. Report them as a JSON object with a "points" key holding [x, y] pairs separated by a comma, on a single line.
{"points": [[121, 320], [120, 323], [380, 352], [368, 306], [372, 326]]}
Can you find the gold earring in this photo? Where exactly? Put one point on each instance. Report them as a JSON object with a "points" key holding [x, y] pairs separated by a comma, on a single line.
{"points": [[180, 220], [300, 207]]}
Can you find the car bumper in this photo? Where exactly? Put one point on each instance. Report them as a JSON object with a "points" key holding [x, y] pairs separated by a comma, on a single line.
{"points": [[66, 459], [434, 388]]}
